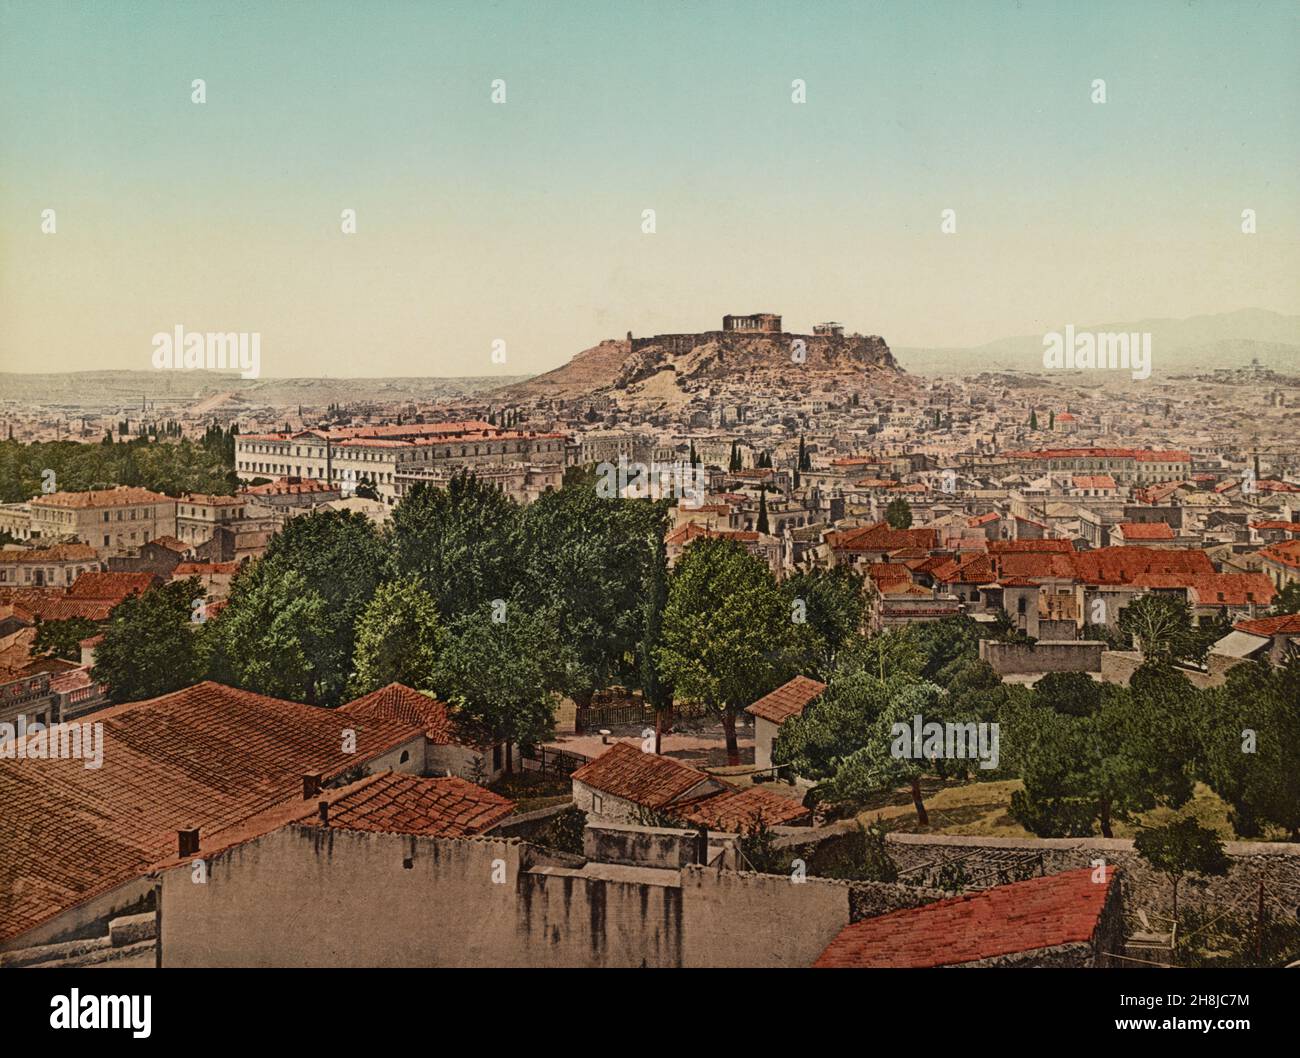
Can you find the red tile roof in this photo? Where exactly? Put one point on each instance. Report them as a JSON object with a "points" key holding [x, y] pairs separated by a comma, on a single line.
{"points": [[1093, 481], [1233, 589], [888, 575], [690, 531], [1286, 624], [1016, 547], [739, 811], [109, 587], [61, 608], [978, 569], [1123, 565], [396, 701], [1008, 919], [644, 778], [879, 537], [790, 699], [1286, 553], [1145, 531], [209, 756], [170, 543], [394, 803], [287, 487], [121, 496], [55, 553]]}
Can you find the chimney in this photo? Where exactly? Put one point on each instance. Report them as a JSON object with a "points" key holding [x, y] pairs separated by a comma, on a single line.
{"points": [[310, 785], [324, 809], [187, 841]]}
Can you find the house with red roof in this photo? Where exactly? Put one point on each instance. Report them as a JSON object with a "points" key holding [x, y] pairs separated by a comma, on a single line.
{"points": [[626, 784], [876, 542], [39, 567], [77, 842], [1281, 562], [1068, 919], [1275, 639], [1146, 534], [448, 748], [774, 709]]}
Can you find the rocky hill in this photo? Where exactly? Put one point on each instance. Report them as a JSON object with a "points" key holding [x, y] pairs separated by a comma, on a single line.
{"points": [[669, 369]]}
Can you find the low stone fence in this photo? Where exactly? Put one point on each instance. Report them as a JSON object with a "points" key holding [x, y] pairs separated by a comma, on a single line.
{"points": [[1047, 655], [670, 848], [1276, 864]]}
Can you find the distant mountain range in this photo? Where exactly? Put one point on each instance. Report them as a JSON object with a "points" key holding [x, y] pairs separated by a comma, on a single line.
{"points": [[1192, 346], [176, 390]]}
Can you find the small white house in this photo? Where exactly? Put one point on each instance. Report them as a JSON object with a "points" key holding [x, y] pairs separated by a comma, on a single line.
{"points": [[773, 710]]}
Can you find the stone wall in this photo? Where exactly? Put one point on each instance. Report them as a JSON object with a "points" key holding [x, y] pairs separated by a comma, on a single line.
{"points": [[1055, 655], [869, 899], [662, 847], [301, 896], [1276, 863]]}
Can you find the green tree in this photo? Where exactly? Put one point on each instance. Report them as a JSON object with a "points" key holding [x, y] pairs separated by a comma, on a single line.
{"points": [[1136, 752], [888, 653], [888, 759], [1181, 848], [1249, 729], [1071, 693], [726, 632], [461, 541], [833, 606], [1161, 626], [836, 724], [898, 514], [1287, 600], [587, 565], [499, 674], [273, 635], [761, 525], [62, 639], [398, 638], [151, 645], [341, 559]]}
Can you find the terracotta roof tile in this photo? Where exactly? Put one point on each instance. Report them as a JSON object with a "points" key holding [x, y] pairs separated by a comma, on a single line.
{"points": [[646, 779], [739, 811], [1286, 624], [394, 803], [1021, 917], [396, 701], [209, 756], [790, 699], [109, 587]]}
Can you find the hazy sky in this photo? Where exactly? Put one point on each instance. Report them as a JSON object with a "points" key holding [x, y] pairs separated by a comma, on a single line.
{"points": [[522, 221]]}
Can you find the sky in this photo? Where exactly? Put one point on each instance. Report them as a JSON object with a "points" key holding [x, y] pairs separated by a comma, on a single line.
{"points": [[522, 221]]}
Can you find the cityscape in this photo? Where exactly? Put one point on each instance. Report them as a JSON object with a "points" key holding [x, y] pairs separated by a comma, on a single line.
{"points": [[722, 628]]}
